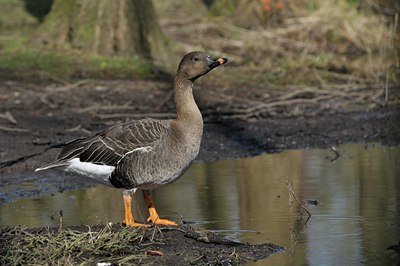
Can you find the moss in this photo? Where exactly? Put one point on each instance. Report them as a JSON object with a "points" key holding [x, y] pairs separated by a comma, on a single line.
{"points": [[83, 27], [119, 67], [18, 57], [14, 19], [222, 8]]}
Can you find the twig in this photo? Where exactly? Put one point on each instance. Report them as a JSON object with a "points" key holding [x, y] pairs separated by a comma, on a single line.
{"points": [[196, 259], [79, 128], [60, 213], [298, 92], [59, 80], [13, 129], [337, 155], [70, 86], [7, 115], [291, 191], [44, 100], [154, 232], [264, 107], [356, 93]]}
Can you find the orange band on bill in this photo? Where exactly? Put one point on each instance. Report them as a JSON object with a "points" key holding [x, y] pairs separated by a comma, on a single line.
{"points": [[220, 60]]}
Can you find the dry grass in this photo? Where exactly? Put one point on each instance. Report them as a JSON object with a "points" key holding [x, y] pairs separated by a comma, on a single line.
{"points": [[332, 45], [334, 30], [116, 245], [333, 49], [19, 246]]}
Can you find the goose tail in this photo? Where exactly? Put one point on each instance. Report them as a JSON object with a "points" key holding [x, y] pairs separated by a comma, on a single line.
{"points": [[52, 165]]}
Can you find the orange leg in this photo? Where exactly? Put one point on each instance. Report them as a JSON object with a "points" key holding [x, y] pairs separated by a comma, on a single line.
{"points": [[128, 212], [154, 218]]}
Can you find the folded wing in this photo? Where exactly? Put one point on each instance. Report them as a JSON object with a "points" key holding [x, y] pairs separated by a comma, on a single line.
{"points": [[109, 146]]}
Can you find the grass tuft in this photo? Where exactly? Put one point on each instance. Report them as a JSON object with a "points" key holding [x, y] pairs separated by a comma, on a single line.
{"points": [[51, 246]]}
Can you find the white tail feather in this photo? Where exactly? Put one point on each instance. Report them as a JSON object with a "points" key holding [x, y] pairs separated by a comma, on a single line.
{"points": [[97, 172]]}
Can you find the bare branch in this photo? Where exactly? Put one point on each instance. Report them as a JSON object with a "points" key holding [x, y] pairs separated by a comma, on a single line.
{"points": [[13, 129], [291, 191], [7, 115]]}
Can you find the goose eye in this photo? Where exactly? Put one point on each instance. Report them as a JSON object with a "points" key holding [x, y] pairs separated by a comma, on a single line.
{"points": [[196, 59]]}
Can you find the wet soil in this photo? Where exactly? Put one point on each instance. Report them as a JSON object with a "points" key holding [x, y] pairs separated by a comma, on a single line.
{"points": [[162, 245]]}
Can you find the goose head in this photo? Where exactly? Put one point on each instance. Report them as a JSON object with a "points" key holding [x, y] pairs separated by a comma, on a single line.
{"points": [[196, 64]]}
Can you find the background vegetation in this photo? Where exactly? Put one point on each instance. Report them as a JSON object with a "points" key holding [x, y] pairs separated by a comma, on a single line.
{"points": [[271, 44]]}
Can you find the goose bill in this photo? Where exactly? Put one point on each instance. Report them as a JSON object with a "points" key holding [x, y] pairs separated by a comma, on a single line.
{"points": [[214, 62]]}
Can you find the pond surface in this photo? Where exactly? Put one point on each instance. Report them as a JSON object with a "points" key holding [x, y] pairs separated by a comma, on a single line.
{"points": [[356, 219]]}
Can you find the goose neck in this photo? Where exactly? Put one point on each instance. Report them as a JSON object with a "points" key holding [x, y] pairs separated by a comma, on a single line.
{"points": [[187, 109]]}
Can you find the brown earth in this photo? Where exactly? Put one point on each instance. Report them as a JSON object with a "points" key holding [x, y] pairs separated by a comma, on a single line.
{"points": [[173, 245]]}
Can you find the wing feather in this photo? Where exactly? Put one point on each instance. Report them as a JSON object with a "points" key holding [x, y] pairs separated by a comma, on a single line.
{"points": [[110, 145]]}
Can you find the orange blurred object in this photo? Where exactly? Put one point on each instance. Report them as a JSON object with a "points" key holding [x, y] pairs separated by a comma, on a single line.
{"points": [[266, 5], [154, 253]]}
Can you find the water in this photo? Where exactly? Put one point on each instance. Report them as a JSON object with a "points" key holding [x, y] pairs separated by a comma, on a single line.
{"points": [[356, 219]]}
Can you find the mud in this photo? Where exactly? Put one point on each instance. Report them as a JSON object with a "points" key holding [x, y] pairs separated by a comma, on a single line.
{"points": [[114, 245]]}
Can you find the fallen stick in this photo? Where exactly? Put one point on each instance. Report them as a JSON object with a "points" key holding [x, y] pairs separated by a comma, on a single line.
{"points": [[70, 86], [13, 129], [291, 191], [262, 108], [79, 128], [7, 115]]}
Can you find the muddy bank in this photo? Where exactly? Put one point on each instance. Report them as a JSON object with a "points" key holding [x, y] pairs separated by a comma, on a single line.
{"points": [[233, 139], [176, 245]]}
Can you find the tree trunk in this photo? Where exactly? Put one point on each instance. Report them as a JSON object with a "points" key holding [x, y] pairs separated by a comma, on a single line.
{"points": [[122, 28]]}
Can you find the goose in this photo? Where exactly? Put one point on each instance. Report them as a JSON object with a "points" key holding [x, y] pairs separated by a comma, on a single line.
{"points": [[143, 154]]}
